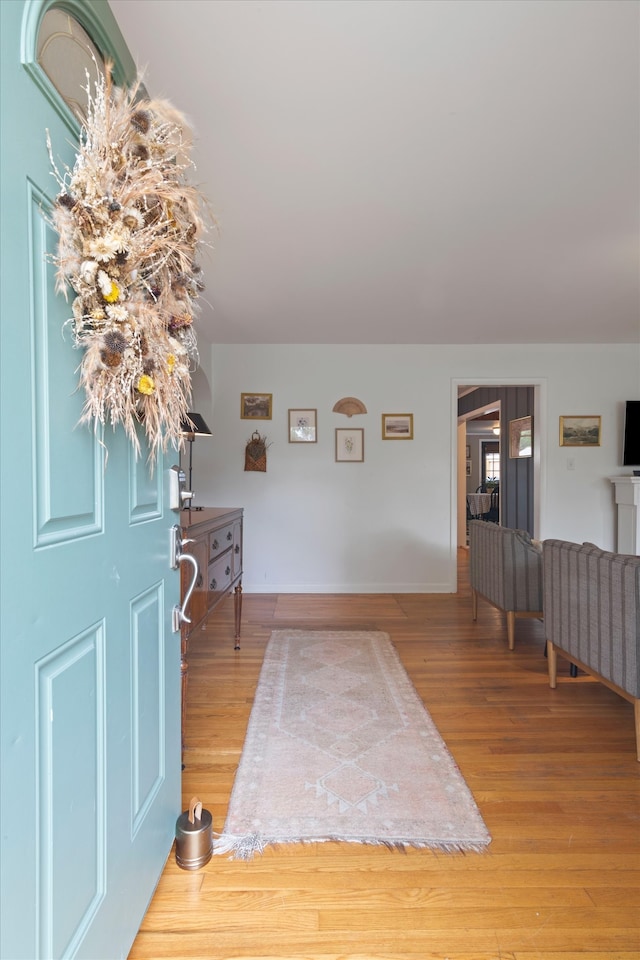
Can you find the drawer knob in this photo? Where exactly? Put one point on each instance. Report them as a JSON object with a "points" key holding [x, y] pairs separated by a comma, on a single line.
{"points": [[229, 535], [213, 584], [227, 571], [215, 545], [237, 550]]}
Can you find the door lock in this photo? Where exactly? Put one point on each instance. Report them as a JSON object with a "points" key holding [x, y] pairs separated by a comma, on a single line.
{"points": [[179, 496]]}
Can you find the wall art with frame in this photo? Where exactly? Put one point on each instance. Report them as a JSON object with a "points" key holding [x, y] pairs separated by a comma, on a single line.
{"points": [[397, 426], [349, 445], [256, 406], [521, 437], [580, 431], [303, 426]]}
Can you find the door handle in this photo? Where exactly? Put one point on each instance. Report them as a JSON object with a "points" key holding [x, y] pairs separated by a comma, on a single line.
{"points": [[179, 616], [177, 545]]}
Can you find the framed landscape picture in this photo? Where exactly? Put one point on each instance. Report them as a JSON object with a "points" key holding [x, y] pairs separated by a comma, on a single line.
{"points": [[303, 426], [580, 431], [521, 437], [397, 426], [255, 406], [349, 445]]}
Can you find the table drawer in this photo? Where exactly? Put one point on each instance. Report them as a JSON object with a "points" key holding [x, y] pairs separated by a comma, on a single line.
{"points": [[220, 575], [220, 540]]}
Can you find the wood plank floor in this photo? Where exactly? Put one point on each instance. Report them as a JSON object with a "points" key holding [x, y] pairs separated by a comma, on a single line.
{"points": [[553, 772]]}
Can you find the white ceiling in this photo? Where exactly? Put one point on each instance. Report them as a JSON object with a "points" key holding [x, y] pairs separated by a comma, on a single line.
{"points": [[409, 171]]}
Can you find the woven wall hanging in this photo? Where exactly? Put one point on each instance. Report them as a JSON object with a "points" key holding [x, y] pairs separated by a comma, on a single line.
{"points": [[255, 455]]}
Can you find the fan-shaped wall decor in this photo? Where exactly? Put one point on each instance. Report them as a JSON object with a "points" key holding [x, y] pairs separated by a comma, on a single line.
{"points": [[349, 406]]}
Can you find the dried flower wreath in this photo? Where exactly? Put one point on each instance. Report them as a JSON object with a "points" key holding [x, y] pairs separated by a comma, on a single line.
{"points": [[128, 226]]}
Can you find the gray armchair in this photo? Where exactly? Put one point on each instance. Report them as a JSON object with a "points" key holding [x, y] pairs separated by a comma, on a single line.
{"points": [[505, 568], [592, 616]]}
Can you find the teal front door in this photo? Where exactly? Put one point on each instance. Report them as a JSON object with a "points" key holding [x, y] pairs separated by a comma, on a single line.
{"points": [[90, 673]]}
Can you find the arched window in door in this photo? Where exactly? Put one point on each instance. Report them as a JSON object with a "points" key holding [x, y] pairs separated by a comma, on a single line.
{"points": [[67, 54]]}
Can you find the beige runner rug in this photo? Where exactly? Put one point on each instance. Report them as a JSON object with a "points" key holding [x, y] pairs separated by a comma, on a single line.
{"points": [[340, 747]]}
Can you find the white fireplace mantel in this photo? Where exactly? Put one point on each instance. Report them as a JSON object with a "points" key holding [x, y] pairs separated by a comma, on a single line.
{"points": [[628, 500]]}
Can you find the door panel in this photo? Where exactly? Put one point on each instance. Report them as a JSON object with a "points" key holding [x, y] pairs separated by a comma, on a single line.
{"points": [[148, 715], [89, 665], [63, 510], [145, 488], [70, 756]]}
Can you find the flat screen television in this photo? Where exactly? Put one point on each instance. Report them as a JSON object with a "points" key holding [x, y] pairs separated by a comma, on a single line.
{"points": [[631, 450]]}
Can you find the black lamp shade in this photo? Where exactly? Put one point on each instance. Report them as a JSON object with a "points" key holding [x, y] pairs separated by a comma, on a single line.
{"points": [[194, 425]]}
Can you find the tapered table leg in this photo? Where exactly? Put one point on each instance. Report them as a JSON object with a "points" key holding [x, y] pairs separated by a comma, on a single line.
{"points": [[237, 609]]}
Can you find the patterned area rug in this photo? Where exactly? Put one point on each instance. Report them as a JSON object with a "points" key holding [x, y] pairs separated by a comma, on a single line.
{"points": [[340, 747]]}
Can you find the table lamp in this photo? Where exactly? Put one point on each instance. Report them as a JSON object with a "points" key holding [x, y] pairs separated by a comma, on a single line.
{"points": [[191, 427]]}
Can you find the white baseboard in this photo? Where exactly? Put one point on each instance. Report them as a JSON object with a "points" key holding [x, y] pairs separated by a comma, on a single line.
{"points": [[376, 588]]}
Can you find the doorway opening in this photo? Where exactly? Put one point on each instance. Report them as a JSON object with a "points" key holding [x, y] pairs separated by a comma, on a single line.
{"points": [[475, 427], [521, 481]]}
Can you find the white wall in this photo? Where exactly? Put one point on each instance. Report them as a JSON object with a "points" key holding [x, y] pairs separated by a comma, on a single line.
{"points": [[389, 524]]}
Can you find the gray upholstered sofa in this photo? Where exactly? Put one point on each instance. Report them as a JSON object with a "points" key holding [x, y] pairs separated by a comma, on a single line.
{"points": [[505, 567], [591, 602]]}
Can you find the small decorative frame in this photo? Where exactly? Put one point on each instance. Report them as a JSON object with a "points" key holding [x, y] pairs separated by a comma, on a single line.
{"points": [[521, 438], [397, 426], [580, 431], [349, 445], [468, 452], [255, 406], [468, 468], [303, 426]]}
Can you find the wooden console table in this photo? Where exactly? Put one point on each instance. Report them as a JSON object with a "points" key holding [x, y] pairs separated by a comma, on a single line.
{"points": [[216, 533]]}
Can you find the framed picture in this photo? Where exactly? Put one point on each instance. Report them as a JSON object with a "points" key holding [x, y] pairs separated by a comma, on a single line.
{"points": [[397, 426], [303, 426], [580, 431], [349, 444], [468, 452], [468, 468], [255, 406], [521, 437]]}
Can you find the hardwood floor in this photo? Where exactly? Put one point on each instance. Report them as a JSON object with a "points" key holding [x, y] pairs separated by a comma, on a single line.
{"points": [[553, 772]]}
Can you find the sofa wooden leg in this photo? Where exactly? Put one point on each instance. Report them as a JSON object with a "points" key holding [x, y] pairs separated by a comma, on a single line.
{"points": [[511, 628], [552, 663]]}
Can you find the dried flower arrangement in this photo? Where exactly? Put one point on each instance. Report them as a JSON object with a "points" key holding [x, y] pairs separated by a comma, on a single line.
{"points": [[128, 226]]}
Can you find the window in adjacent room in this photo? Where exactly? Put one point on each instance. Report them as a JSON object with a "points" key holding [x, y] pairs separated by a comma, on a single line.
{"points": [[491, 461]]}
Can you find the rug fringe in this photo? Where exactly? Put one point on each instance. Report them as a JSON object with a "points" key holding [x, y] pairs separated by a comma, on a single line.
{"points": [[240, 848], [246, 847]]}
